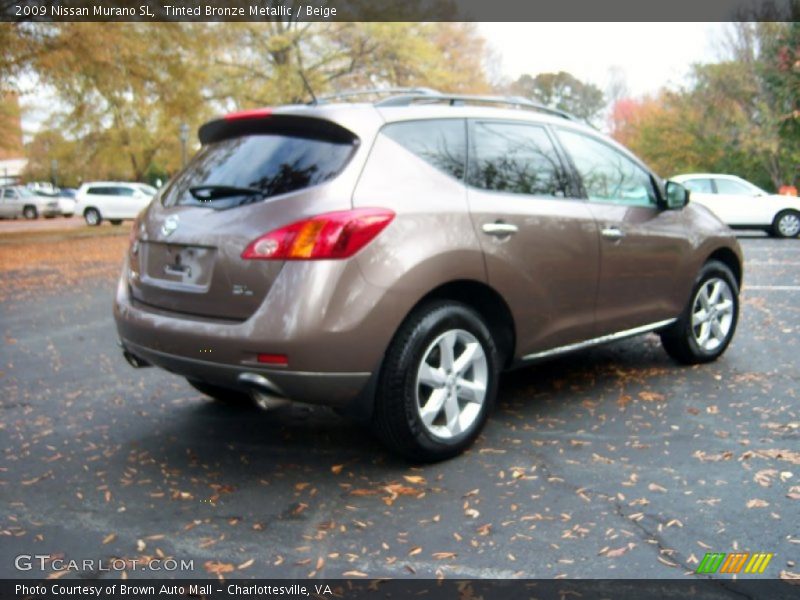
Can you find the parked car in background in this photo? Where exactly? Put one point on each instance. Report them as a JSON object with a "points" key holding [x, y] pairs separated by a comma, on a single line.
{"points": [[19, 201], [43, 188], [66, 201], [742, 205], [112, 200], [360, 256]]}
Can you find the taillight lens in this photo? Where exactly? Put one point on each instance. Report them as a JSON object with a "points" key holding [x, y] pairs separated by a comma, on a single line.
{"points": [[328, 236]]}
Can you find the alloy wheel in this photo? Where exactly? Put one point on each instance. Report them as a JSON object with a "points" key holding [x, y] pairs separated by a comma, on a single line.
{"points": [[712, 314], [451, 384], [789, 225]]}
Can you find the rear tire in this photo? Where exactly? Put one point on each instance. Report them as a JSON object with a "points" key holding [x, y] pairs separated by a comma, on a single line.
{"points": [[30, 212], [221, 394], [438, 383], [92, 217], [786, 224], [707, 324]]}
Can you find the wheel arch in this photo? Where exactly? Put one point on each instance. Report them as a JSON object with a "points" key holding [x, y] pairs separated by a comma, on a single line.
{"points": [[729, 258], [488, 303]]}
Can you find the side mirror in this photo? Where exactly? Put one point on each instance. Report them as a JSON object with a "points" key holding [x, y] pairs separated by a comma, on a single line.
{"points": [[677, 196]]}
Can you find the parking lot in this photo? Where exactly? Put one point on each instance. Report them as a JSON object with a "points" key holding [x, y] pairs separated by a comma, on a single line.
{"points": [[610, 463]]}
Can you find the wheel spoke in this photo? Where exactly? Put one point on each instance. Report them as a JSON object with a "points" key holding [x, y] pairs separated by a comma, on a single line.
{"points": [[705, 331], [465, 359], [446, 347], [724, 307], [433, 406], [431, 376], [452, 413], [470, 391], [716, 329], [701, 316], [715, 290], [703, 298]]}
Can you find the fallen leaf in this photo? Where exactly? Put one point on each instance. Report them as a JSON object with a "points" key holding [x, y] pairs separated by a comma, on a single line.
{"points": [[654, 487], [765, 476], [109, 538], [217, 568], [354, 574], [418, 479], [757, 503], [336, 469], [415, 550], [245, 564]]}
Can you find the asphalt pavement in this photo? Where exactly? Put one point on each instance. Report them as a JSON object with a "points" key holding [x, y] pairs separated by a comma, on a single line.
{"points": [[613, 462]]}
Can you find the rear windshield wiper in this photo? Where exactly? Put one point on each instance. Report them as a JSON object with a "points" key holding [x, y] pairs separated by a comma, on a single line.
{"points": [[206, 193]]}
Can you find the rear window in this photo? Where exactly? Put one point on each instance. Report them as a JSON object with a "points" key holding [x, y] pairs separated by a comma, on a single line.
{"points": [[516, 158], [261, 166], [100, 191]]}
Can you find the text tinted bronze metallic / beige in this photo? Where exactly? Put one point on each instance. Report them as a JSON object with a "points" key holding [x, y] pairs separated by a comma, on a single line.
{"points": [[391, 259]]}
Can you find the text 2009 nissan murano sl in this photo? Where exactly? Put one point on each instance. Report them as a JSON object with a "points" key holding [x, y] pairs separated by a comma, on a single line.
{"points": [[391, 259]]}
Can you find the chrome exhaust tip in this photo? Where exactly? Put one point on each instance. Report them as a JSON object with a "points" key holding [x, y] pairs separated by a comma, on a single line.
{"points": [[266, 394], [135, 361]]}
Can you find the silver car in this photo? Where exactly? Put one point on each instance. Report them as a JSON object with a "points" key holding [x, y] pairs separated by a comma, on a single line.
{"points": [[18, 201]]}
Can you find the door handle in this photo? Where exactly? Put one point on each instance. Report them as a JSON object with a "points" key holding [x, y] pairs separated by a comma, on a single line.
{"points": [[499, 229], [612, 233]]}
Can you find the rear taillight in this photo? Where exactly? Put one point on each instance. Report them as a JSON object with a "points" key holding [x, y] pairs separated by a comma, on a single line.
{"points": [[328, 236]]}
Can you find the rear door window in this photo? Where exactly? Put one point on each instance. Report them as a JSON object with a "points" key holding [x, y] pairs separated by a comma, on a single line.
{"points": [[731, 187], [516, 158], [122, 191], [439, 142], [249, 168]]}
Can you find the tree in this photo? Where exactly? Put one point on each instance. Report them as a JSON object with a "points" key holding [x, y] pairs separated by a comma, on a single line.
{"points": [[741, 115], [562, 91], [279, 62], [124, 88]]}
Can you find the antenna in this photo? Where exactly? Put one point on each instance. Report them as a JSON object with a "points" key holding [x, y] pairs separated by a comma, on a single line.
{"points": [[308, 87]]}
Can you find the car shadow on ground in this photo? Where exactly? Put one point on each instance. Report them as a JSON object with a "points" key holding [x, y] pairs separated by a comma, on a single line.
{"points": [[218, 435]]}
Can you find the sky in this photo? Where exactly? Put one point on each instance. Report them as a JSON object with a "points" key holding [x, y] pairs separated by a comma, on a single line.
{"points": [[651, 55]]}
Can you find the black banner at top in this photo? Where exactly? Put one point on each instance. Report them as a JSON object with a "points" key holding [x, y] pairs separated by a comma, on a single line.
{"points": [[401, 10]]}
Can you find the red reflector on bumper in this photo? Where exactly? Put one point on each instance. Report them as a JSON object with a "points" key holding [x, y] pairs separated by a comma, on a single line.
{"points": [[280, 360]]}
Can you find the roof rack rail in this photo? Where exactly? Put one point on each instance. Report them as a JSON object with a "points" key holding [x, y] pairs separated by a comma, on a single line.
{"points": [[421, 92], [407, 99]]}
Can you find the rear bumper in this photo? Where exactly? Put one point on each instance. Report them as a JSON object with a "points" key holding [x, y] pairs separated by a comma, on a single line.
{"points": [[333, 334], [338, 390]]}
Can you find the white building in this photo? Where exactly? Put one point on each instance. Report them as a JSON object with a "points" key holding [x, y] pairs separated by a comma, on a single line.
{"points": [[11, 169]]}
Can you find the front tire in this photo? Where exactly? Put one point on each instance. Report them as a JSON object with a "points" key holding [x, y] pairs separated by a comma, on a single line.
{"points": [[92, 217], [786, 224], [30, 212], [705, 328], [438, 383]]}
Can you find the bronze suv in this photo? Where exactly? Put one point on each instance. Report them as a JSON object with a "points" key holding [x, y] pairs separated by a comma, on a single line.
{"points": [[389, 259]]}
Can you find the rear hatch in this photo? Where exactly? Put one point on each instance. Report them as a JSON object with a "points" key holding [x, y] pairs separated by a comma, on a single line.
{"points": [[253, 174]]}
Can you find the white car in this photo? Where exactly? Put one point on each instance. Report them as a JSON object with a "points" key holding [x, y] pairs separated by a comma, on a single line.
{"points": [[742, 205], [112, 200]]}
